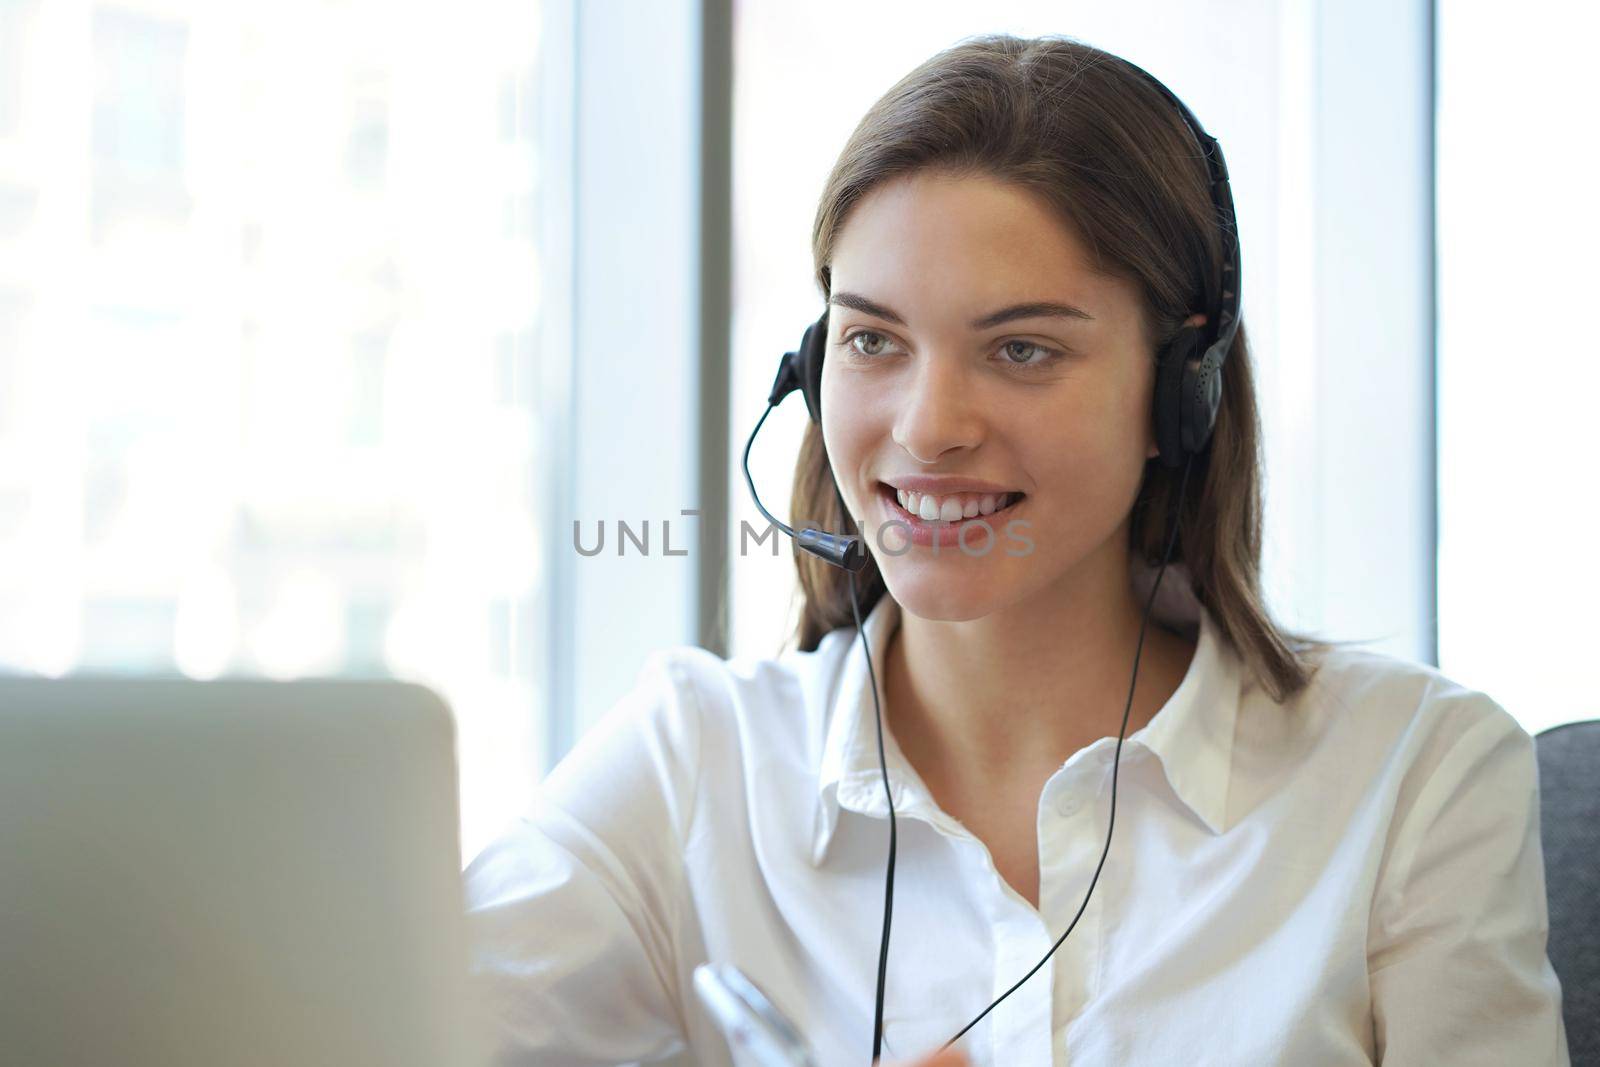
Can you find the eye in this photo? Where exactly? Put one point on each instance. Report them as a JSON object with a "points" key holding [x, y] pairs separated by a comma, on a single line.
{"points": [[1044, 355], [850, 342], [875, 344], [872, 336]]}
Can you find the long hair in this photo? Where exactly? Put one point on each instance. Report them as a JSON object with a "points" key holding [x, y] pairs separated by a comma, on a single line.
{"points": [[1115, 161]]}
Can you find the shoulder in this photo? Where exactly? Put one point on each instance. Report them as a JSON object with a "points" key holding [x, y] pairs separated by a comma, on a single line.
{"points": [[780, 700], [685, 703], [1408, 715], [1404, 693]]}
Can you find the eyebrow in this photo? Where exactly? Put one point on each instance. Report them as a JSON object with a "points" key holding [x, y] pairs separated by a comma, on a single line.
{"points": [[1037, 309]]}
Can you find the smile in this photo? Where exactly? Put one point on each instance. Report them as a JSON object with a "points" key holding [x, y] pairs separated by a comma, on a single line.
{"points": [[952, 513]]}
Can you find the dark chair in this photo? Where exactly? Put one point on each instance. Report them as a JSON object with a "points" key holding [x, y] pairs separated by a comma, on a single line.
{"points": [[1569, 810]]}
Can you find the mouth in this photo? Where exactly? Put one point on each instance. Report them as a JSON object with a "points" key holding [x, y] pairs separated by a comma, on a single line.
{"points": [[949, 510]]}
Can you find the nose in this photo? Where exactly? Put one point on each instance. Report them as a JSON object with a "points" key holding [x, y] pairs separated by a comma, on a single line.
{"points": [[938, 410]]}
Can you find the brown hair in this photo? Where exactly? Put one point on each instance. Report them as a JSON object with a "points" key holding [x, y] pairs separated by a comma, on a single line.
{"points": [[1106, 151]]}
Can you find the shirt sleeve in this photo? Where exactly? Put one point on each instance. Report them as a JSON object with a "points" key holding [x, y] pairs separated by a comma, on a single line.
{"points": [[1457, 945], [574, 912]]}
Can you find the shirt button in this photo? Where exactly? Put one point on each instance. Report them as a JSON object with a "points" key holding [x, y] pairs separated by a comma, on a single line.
{"points": [[1067, 804]]}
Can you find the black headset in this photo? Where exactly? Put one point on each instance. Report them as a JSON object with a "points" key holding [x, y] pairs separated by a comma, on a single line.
{"points": [[1188, 393]]}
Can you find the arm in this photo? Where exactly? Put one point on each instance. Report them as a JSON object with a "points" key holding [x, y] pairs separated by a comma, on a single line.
{"points": [[1456, 948], [574, 911]]}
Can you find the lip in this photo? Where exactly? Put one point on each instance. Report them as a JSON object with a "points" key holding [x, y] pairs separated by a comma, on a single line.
{"points": [[945, 484], [940, 534]]}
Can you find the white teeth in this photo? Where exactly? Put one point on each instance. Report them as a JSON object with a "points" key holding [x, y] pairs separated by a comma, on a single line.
{"points": [[954, 507]]}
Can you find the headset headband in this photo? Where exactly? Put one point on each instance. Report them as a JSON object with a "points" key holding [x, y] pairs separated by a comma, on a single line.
{"points": [[1222, 315]]}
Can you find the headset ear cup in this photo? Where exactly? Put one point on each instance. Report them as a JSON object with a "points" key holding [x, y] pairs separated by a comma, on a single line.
{"points": [[1168, 395], [1201, 397], [812, 348]]}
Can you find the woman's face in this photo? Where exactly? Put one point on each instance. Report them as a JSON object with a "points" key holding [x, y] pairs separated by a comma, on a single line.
{"points": [[1056, 406]]}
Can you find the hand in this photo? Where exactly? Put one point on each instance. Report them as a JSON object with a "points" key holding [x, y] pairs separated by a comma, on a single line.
{"points": [[950, 1057]]}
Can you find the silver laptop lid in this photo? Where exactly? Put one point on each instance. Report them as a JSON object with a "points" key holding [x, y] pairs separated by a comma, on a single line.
{"points": [[231, 873]]}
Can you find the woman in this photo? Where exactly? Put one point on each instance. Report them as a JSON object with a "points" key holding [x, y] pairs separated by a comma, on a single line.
{"points": [[1323, 855]]}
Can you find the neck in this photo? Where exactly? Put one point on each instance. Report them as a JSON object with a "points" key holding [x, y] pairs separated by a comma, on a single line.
{"points": [[1023, 688]]}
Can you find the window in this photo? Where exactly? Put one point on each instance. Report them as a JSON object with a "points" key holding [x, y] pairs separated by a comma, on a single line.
{"points": [[139, 92], [16, 25], [1517, 222], [258, 411]]}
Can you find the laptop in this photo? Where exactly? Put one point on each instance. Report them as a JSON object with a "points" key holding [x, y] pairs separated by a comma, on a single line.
{"points": [[233, 873]]}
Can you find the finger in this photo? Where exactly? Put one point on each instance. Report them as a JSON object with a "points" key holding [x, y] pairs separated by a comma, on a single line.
{"points": [[950, 1057]]}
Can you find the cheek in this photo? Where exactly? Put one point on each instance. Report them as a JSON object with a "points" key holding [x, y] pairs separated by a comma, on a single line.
{"points": [[1073, 466], [1087, 463], [1090, 430], [842, 434], [851, 417], [847, 435]]}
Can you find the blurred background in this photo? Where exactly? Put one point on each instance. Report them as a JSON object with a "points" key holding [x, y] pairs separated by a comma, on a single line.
{"points": [[330, 330]]}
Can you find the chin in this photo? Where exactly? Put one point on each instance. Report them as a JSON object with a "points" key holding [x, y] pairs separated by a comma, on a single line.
{"points": [[942, 595]]}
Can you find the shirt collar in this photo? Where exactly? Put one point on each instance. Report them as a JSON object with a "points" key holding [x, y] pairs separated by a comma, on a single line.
{"points": [[1191, 736]]}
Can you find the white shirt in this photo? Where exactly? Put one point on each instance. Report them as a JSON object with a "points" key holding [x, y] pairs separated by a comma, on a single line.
{"points": [[1352, 877]]}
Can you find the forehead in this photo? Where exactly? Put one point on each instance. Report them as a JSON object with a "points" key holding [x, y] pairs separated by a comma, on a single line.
{"points": [[984, 239]]}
